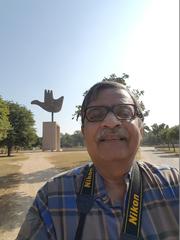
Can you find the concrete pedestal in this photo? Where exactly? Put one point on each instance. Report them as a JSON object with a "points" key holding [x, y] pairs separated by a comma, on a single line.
{"points": [[51, 136]]}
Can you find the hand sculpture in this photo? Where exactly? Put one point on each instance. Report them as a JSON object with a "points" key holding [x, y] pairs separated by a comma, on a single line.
{"points": [[50, 104]]}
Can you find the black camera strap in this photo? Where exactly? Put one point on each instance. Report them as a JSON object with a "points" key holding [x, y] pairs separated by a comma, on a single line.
{"points": [[85, 199], [133, 209]]}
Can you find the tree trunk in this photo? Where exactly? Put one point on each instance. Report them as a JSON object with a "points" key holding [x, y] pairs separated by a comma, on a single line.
{"points": [[169, 146], [173, 147], [9, 151]]}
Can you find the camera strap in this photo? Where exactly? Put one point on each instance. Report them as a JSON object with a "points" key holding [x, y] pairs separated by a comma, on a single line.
{"points": [[133, 208]]}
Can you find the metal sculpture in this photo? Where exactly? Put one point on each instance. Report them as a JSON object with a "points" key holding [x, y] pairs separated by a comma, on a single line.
{"points": [[50, 104]]}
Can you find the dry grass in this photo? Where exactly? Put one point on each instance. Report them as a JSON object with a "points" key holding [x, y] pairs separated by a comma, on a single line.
{"points": [[11, 165], [68, 160], [61, 160], [167, 150]]}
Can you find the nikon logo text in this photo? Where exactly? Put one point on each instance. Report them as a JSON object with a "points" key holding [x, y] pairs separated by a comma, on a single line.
{"points": [[88, 179], [133, 216]]}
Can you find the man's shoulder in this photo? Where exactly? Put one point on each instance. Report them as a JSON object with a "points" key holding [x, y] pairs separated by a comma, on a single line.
{"points": [[162, 174]]}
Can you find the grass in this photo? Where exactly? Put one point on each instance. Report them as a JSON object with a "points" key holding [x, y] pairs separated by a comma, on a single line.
{"points": [[167, 150], [11, 165], [9, 176], [67, 160], [61, 160]]}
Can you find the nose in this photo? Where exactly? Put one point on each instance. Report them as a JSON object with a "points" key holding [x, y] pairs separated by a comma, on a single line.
{"points": [[111, 121]]}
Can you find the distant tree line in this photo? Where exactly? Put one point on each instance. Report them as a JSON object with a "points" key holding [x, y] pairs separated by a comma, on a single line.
{"points": [[72, 140], [162, 134], [155, 135]]}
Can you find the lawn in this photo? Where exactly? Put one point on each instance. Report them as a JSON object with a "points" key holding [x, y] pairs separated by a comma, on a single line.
{"points": [[11, 165], [68, 160], [71, 159], [9, 177], [167, 150]]}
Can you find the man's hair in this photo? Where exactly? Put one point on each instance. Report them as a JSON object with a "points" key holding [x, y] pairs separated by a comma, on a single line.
{"points": [[94, 91]]}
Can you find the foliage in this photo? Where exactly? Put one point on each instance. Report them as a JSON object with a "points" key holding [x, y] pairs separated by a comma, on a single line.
{"points": [[162, 134], [22, 132], [137, 93], [74, 140], [38, 142], [114, 78], [173, 135], [4, 121]]}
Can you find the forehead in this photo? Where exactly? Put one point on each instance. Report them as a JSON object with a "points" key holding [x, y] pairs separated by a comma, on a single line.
{"points": [[111, 96]]}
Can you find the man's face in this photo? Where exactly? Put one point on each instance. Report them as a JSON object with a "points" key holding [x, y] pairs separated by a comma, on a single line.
{"points": [[111, 139]]}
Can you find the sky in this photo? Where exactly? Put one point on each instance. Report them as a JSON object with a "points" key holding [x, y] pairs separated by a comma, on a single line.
{"points": [[67, 46]]}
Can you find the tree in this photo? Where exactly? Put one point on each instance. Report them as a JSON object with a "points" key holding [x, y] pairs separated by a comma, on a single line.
{"points": [[37, 143], [66, 140], [4, 121], [158, 131], [114, 78], [22, 132], [137, 93], [149, 138], [173, 135], [74, 140], [77, 139], [162, 134]]}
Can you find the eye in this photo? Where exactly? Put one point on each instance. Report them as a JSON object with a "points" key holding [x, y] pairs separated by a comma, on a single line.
{"points": [[124, 111], [95, 113]]}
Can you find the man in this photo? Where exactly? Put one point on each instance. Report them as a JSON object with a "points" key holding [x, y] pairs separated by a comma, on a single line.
{"points": [[115, 197]]}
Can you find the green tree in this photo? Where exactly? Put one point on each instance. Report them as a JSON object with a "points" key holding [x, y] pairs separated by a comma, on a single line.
{"points": [[4, 121], [22, 132], [162, 134], [137, 93], [158, 131], [149, 138], [66, 140], [74, 140], [38, 142], [77, 139], [173, 135]]}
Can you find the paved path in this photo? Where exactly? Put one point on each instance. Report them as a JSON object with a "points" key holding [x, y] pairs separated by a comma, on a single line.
{"points": [[157, 157]]}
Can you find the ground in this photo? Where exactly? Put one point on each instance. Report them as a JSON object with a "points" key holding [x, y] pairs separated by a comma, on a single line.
{"points": [[24, 175]]}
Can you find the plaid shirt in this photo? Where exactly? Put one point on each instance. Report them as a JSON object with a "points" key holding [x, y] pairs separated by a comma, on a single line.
{"points": [[54, 213]]}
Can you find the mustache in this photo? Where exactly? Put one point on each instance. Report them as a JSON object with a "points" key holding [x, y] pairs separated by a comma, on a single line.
{"points": [[117, 133]]}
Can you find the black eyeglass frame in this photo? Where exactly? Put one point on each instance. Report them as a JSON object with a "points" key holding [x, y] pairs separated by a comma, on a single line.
{"points": [[137, 112]]}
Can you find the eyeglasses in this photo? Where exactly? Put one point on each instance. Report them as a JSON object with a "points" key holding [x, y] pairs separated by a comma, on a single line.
{"points": [[121, 111]]}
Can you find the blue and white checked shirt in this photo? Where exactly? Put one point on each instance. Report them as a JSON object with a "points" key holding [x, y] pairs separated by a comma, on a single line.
{"points": [[54, 213]]}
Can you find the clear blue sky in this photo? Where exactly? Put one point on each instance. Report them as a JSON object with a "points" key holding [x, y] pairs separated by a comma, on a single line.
{"points": [[67, 46]]}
